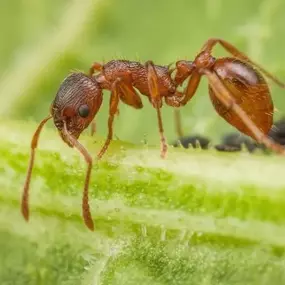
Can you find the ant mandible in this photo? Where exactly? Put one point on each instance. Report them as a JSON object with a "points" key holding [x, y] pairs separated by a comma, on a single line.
{"points": [[237, 90]]}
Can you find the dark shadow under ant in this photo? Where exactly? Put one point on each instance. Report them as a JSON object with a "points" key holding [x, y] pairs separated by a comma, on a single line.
{"points": [[237, 89], [277, 132], [231, 142], [234, 142], [195, 141]]}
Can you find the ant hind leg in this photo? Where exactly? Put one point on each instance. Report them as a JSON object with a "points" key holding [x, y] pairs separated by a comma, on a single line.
{"points": [[227, 100], [209, 45]]}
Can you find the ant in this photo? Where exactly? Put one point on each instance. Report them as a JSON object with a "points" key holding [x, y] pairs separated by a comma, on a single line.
{"points": [[237, 90]]}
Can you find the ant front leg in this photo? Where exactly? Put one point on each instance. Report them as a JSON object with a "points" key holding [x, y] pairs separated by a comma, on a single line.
{"points": [[93, 125], [113, 108], [224, 96], [209, 45], [155, 97]]}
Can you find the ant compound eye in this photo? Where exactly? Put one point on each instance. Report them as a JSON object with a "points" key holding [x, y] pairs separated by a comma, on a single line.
{"points": [[83, 111]]}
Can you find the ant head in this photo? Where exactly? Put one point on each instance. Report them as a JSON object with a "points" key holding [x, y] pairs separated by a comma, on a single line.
{"points": [[184, 69], [75, 105]]}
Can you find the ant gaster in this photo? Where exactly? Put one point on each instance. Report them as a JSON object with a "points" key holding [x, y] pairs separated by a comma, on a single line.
{"points": [[237, 89]]}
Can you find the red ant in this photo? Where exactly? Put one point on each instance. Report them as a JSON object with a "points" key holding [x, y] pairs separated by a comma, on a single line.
{"points": [[237, 90]]}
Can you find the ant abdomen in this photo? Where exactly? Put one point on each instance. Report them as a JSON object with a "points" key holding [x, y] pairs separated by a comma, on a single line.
{"points": [[249, 90]]}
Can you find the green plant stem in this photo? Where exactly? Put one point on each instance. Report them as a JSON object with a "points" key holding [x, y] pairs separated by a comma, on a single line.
{"points": [[147, 211]]}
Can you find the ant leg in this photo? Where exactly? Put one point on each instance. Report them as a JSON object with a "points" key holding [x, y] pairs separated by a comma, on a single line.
{"points": [[93, 128], [93, 125], [174, 102], [191, 88], [156, 102], [208, 46], [121, 89], [114, 102], [178, 124], [226, 99], [95, 67], [128, 94]]}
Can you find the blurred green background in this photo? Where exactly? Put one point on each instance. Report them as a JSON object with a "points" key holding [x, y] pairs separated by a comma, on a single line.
{"points": [[42, 41]]}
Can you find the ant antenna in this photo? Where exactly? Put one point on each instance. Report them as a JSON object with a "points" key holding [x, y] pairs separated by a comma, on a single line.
{"points": [[34, 144]]}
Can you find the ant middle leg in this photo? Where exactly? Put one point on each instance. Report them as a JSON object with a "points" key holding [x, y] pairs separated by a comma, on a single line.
{"points": [[209, 45], [156, 101], [173, 102]]}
